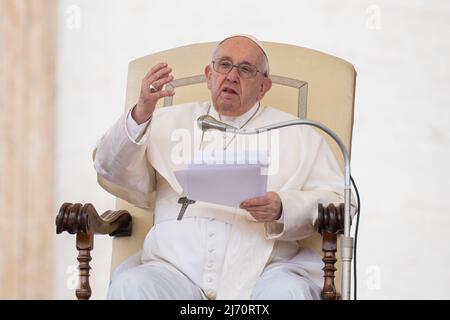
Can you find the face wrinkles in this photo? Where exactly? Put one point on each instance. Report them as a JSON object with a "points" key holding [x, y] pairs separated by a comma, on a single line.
{"points": [[231, 94]]}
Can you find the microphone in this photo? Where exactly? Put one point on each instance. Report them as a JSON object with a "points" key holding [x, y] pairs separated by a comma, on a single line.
{"points": [[207, 122]]}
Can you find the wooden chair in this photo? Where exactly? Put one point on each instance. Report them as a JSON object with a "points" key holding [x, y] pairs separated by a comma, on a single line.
{"points": [[307, 83]]}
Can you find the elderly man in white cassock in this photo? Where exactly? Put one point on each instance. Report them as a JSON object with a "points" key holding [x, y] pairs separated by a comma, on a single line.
{"points": [[219, 252]]}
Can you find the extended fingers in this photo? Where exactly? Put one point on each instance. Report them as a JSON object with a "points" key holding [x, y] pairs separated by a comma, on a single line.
{"points": [[265, 208], [270, 200], [260, 209], [259, 201], [155, 69], [158, 76], [161, 73]]}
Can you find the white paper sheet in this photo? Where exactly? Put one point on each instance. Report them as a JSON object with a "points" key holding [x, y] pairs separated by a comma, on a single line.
{"points": [[223, 184]]}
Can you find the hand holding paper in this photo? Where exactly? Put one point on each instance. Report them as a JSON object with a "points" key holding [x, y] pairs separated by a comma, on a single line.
{"points": [[267, 208]]}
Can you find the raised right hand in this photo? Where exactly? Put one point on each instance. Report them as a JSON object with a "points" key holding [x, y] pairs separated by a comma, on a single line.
{"points": [[158, 76]]}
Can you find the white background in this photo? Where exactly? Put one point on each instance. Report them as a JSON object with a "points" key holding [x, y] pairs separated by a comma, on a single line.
{"points": [[401, 143]]}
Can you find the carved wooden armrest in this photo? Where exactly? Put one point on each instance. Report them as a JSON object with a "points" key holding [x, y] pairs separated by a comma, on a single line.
{"points": [[84, 221], [330, 223]]}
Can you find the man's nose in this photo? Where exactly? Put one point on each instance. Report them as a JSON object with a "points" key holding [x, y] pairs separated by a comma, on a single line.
{"points": [[233, 75]]}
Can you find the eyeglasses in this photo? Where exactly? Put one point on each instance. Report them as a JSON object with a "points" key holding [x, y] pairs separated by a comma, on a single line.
{"points": [[245, 70]]}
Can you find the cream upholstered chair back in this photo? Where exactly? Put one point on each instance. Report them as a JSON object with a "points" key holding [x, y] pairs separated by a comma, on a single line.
{"points": [[306, 83]]}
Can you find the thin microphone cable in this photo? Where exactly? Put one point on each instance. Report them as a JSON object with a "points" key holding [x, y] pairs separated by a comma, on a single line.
{"points": [[356, 237]]}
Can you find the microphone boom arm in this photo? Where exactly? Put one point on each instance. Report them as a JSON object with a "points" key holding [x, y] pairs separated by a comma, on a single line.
{"points": [[207, 122]]}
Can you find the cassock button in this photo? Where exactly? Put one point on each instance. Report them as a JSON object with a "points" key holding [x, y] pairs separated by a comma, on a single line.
{"points": [[211, 234], [209, 279], [211, 250], [210, 265]]}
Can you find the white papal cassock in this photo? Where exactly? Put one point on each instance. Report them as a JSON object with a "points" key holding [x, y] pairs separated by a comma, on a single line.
{"points": [[218, 252]]}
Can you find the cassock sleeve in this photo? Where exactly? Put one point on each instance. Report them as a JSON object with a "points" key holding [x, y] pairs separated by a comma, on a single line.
{"points": [[121, 162], [324, 183]]}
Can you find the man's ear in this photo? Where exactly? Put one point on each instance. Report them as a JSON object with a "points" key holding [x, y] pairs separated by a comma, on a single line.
{"points": [[265, 86], [208, 75]]}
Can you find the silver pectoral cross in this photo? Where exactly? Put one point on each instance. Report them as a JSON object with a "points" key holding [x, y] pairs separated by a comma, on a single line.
{"points": [[184, 201]]}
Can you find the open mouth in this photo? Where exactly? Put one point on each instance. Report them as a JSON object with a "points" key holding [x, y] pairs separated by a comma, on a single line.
{"points": [[229, 90]]}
